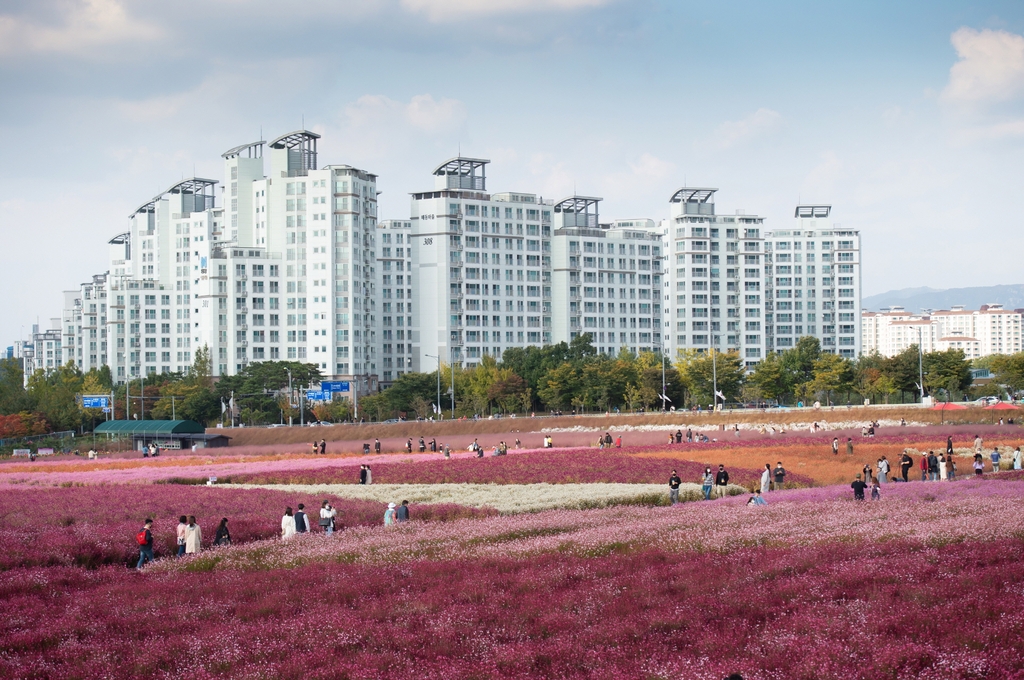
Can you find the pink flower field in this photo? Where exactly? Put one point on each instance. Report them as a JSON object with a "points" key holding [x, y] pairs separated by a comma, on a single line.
{"points": [[569, 466], [924, 583], [92, 526]]}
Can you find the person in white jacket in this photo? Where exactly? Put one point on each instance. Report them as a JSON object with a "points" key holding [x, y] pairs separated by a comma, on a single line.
{"points": [[766, 478], [327, 515], [193, 536], [287, 524]]}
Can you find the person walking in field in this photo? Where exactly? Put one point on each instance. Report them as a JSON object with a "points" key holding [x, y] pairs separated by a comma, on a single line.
{"points": [[423, 445], [327, 515], [924, 467], [376, 446], [193, 537], [849, 446], [182, 526], [979, 465], [933, 466], [876, 491], [942, 468], [978, 443], [858, 487], [364, 471], [223, 536], [144, 539], [673, 488], [408, 446], [780, 476], [766, 478], [906, 462], [951, 468], [707, 483], [949, 446], [835, 446], [995, 459], [883, 470], [866, 472], [287, 525], [301, 520], [1016, 458], [389, 515], [721, 481], [402, 512]]}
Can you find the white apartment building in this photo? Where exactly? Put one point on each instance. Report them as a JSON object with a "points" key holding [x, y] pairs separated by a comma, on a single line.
{"points": [[606, 279], [815, 283], [990, 330], [394, 264], [284, 268], [493, 271], [716, 281]]}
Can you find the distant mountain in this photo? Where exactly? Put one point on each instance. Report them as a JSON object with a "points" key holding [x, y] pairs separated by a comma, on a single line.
{"points": [[916, 299]]}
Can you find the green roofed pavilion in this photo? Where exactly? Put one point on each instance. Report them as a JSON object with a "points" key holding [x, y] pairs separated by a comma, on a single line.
{"points": [[151, 427]]}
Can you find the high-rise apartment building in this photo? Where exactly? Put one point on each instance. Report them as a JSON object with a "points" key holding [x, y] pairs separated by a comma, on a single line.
{"points": [[397, 320], [814, 283], [494, 271], [715, 292], [283, 268]]}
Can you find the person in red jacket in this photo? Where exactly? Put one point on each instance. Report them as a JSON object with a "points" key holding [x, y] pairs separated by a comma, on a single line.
{"points": [[924, 468]]}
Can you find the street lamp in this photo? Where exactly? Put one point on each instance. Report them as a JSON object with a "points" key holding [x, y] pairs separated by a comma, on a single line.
{"points": [[437, 409], [290, 394]]}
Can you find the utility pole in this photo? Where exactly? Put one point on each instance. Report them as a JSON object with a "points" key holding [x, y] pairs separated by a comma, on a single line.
{"points": [[174, 415], [437, 408], [714, 379], [453, 382], [142, 399], [663, 393], [920, 361], [291, 395]]}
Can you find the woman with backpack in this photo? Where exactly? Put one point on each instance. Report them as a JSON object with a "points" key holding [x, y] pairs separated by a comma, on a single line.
{"points": [[327, 515], [223, 536], [182, 527]]}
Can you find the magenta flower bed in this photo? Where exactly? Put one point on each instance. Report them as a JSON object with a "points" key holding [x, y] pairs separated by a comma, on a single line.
{"points": [[96, 525], [892, 610], [554, 467]]}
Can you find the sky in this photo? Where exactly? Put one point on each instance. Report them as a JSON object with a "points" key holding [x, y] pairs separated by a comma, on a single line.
{"points": [[907, 118]]}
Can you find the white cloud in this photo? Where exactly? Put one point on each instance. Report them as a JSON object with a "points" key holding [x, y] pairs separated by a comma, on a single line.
{"points": [[84, 24], [759, 124], [422, 112], [990, 69], [650, 167], [453, 10]]}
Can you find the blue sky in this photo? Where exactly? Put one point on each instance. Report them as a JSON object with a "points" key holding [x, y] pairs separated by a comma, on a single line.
{"points": [[908, 119]]}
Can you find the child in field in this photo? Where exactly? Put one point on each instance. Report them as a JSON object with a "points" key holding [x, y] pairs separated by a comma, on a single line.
{"points": [[876, 492]]}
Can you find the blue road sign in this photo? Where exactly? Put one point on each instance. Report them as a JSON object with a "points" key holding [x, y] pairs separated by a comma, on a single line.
{"points": [[335, 386], [95, 402], [317, 395]]}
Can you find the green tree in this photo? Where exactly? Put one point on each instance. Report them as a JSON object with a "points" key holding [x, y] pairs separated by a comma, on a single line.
{"points": [[948, 372], [55, 393], [832, 373], [1009, 370], [799, 364], [14, 398], [700, 370], [771, 378]]}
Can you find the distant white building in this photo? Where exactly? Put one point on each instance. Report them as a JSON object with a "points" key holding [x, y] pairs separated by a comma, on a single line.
{"points": [[814, 283], [979, 333]]}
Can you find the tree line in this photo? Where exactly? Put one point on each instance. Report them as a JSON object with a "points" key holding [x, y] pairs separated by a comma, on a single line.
{"points": [[565, 377]]}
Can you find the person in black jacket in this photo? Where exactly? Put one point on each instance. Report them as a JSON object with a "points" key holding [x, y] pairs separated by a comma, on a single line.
{"points": [[858, 487], [362, 474], [673, 488], [301, 521], [721, 481], [223, 536], [402, 514], [906, 462], [933, 466]]}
